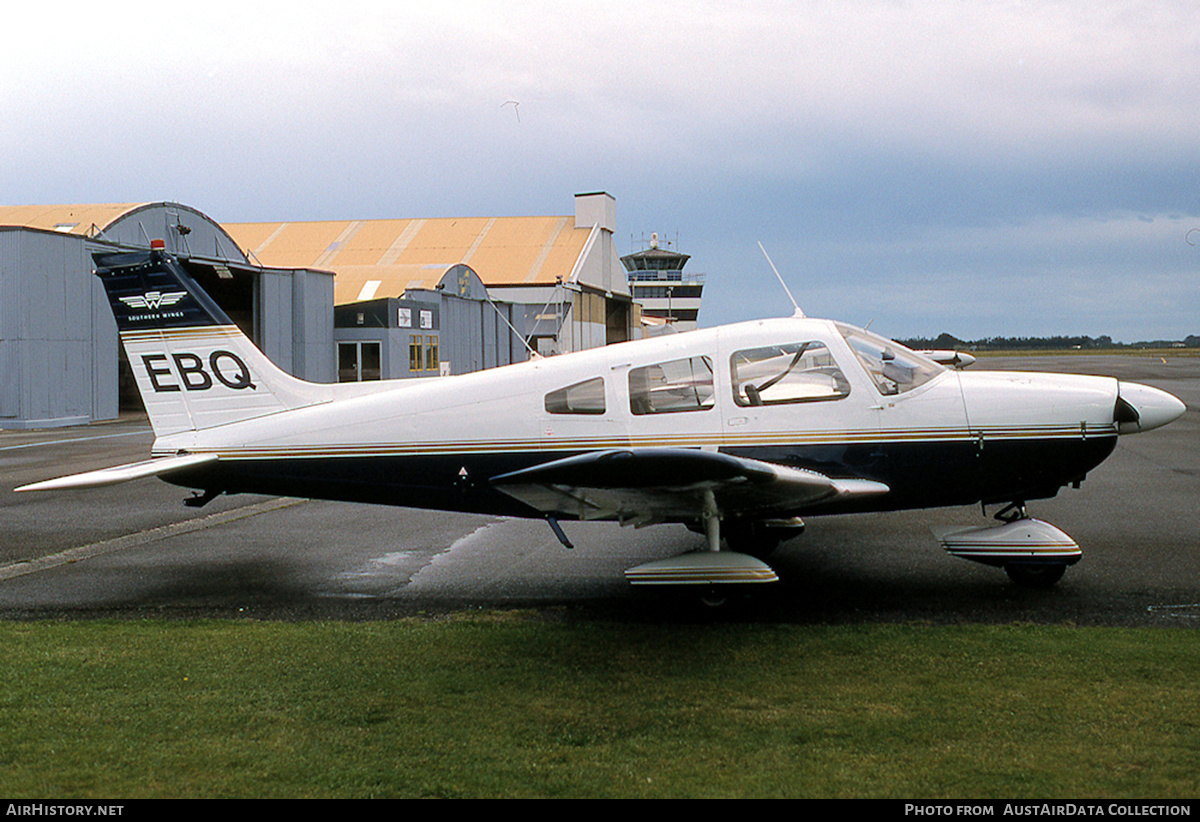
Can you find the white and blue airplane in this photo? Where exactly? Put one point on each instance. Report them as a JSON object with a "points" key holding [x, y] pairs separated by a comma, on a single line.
{"points": [[737, 432]]}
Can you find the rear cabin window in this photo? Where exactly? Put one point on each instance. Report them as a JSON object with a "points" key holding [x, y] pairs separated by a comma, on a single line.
{"points": [[585, 397], [777, 374], [672, 387]]}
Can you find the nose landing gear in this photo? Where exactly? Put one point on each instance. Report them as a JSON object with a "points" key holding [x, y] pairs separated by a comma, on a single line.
{"points": [[1033, 553]]}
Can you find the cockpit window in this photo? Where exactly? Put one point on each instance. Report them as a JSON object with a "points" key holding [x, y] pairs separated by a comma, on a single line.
{"points": [[585, 397], [672, 386], [894, 368], [796, 372]]}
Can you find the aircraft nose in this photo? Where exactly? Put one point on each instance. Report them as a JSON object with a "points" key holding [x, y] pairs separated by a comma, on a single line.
{"points": [[1141, 408]]}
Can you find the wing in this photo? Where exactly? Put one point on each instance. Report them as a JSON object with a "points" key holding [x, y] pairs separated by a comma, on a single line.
{"points": [[647, 486], [121, 473]]}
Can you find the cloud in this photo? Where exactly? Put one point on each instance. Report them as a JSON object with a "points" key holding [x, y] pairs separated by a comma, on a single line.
{"points": [[984, 148]]}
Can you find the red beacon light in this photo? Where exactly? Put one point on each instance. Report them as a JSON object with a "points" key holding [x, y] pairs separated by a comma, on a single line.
{"points": [[158, 245]]}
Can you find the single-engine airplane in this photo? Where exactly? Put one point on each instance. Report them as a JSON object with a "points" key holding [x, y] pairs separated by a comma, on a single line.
{"points": [[736, 431]]}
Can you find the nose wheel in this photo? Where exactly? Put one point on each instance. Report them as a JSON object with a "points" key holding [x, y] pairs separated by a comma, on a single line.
{"points": [[1035, 575]]}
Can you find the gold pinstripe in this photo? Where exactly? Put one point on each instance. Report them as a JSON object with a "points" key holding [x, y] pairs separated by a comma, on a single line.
{"points": [[786, 438], [223, 332]]}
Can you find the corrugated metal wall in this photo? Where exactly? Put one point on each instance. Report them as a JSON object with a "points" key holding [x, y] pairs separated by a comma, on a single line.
{"points": [[51, 310], [313, 354], [474, 337], [295, 322]]}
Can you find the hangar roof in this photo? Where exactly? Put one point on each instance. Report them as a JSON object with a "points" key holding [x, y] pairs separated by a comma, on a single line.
{"points": [[382, 257], [416, 253], [69, 219], [131, 225], [357, 283]]}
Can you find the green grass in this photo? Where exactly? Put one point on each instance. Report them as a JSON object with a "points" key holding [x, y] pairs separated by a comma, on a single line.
{"points": [[509, 705]]}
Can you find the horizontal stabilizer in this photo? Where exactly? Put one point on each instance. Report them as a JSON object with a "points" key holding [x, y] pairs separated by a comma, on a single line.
{"points": [[122, 473], [702, 568]]}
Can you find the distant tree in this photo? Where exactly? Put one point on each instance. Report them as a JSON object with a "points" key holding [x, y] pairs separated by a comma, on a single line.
{"points": [[948, 341], [1057, 343], [942, 341]]}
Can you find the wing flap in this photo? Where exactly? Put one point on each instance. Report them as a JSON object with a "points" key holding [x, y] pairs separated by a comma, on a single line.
{"points": [[641, 487], [121, 473]]}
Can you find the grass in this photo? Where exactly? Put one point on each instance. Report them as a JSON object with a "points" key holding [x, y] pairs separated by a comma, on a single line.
{"points": [[508, 705]]}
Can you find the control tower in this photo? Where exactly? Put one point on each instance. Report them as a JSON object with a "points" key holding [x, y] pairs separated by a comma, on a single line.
{"points": [[667, 294]]}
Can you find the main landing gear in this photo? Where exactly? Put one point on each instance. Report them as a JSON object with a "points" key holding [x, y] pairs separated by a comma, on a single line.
{"points": [[1033, 553], [712, 568]]}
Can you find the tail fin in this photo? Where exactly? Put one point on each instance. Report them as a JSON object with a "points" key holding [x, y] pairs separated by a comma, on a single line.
{"points": [[194, 368]]}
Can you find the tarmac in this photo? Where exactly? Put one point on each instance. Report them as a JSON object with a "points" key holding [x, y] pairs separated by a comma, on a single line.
{"points": [[134, 551]]}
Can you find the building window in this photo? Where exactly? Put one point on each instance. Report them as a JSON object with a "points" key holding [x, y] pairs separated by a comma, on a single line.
{"points": [[414, 354], [423, 353], [359, 361], [431, 352]]}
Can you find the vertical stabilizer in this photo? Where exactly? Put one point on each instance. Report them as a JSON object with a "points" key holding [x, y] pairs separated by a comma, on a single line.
{"points": [[194, 368]]}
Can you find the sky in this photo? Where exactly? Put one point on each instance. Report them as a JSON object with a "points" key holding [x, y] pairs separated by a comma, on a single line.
{"points": [[978, 168]]}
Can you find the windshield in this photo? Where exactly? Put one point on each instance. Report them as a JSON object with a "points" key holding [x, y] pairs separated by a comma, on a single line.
{"points": [[894, 368]]}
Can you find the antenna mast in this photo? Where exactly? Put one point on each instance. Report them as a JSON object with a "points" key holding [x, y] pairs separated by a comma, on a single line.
{"points": [[798, 313]]}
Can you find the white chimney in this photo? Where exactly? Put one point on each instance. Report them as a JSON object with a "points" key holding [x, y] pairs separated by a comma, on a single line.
{"points": [[596, 208]]}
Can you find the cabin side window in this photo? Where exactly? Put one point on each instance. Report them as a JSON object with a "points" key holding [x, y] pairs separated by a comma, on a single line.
{"points": [[585, 397], [672, 387], [777, 374]]}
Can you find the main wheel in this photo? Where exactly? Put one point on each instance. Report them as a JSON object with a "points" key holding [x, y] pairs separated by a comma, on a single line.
{"points": [[1035, 575], [749, 537]]}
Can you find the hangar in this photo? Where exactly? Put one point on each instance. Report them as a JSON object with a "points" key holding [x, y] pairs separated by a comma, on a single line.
{"points": [[413, 297]]}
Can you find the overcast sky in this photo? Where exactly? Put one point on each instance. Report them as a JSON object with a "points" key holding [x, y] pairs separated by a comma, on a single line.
{"points": [[981, 168]]}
